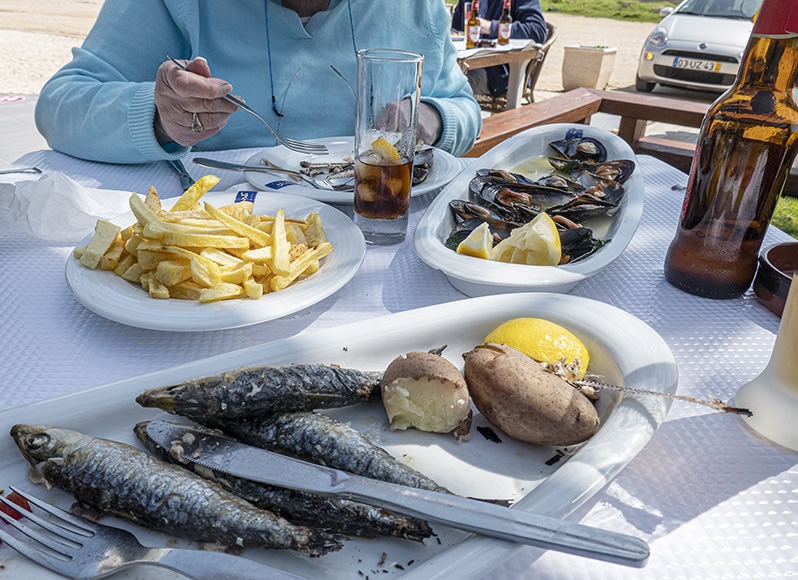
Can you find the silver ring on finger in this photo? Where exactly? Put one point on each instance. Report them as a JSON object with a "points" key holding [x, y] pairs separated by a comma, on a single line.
{"points": [[196, 124]]}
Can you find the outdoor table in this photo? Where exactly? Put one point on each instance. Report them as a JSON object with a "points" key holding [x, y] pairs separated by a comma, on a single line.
{"points": [[517, 55], [712, 498]]}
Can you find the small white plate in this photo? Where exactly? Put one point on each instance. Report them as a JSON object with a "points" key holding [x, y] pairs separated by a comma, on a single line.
{"points": [[622, 347], [116, 299], [445, 167], [475, 276]]}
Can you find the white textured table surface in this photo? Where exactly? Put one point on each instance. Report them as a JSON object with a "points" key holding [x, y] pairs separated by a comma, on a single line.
{"points": [[713, 499]]}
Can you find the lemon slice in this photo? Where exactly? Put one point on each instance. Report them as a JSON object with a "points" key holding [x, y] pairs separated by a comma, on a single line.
{"points": [[385, 150], [536, 243], [541, 340], [478, 243]]}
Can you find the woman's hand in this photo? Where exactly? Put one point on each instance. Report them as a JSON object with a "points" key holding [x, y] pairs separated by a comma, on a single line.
{"points": [[396, 117], [189, 104]]}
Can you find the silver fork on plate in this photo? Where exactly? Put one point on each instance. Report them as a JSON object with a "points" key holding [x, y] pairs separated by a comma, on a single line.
{"points": [[77, 548], [293, 144], [318, 183]]}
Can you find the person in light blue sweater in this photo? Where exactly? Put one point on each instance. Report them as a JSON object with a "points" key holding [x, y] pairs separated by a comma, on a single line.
{"points": [[120, 101]]}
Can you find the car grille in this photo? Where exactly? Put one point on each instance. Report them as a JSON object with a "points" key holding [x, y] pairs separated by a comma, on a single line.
{"points": [[694, 76], [701, 55]]}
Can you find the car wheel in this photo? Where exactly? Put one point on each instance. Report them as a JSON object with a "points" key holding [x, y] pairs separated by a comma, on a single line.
{"points": [[643, 86]]}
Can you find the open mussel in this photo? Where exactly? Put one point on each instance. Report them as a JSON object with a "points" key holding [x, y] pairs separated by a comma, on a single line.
{"points": [[580, 149]]}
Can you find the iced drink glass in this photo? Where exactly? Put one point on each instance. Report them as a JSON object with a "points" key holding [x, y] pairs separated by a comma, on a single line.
{"points": [[388, 89]]}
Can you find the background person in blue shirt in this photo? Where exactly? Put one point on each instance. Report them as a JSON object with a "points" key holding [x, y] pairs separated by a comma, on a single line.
{"points": [[528, 22], [120, 101]]}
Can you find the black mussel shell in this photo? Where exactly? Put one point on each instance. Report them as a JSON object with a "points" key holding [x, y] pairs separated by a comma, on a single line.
{"points": [[581, 148]]}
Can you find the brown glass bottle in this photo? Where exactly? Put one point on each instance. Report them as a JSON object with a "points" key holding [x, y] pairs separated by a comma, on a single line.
{"points": [[473, 26], [505, 24], [747, 143]]}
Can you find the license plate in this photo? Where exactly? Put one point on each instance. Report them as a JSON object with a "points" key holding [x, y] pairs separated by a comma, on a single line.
{"points": [[696, 64]]}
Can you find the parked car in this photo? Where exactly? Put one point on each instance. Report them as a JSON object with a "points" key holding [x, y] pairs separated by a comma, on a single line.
{"points": [[698, 45]]}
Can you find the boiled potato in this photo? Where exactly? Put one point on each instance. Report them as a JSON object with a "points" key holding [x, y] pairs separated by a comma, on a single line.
{"points": [[426, 391], [525, 401]]}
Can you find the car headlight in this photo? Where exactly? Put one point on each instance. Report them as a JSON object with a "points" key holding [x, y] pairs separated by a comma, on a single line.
{"points": [[659, 37]]}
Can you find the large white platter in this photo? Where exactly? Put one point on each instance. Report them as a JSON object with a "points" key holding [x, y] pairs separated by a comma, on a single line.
{"points": [[622, 348], [444, 168], [476, 277], [116, 299]]}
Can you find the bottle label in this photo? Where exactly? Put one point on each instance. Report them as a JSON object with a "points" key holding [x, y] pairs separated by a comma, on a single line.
{"points": [[473, 34], [504, 30], [777, 18]]}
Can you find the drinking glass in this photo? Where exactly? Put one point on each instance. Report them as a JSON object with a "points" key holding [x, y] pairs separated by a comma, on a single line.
{"points": [[388, 89]]}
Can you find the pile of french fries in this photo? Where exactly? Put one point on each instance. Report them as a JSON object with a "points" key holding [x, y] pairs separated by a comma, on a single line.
{"points": [[200, 252]]}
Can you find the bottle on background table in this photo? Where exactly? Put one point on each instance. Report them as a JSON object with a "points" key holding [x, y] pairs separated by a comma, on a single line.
{"points": [[746, 147], [505, 24], [472, 29]]}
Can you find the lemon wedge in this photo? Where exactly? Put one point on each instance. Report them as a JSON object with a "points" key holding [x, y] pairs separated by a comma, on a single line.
{"points": [[536, 243], [478, 243], [385, 150], [541, 340]]}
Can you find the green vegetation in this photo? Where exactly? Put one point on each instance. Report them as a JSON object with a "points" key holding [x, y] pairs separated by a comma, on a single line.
{"points": [[786, 216], [631, 10]]}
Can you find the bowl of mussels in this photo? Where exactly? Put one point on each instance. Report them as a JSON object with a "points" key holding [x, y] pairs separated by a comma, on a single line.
{"points": [[584, 179]]}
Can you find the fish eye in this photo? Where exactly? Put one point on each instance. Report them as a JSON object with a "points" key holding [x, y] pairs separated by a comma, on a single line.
{"points": [[38, 440]]}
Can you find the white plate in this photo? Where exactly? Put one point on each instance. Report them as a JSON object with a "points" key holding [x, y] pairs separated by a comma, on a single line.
{"points": [[622, 348], [445, 167], [476, 277], [112, 297]]}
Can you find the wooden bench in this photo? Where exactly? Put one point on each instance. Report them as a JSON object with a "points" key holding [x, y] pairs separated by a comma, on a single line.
{"points": [[635, 111]]}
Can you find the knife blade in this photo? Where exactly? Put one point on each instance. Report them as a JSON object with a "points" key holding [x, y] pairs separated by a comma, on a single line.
{"points": [[186, 180], [234, 458]]}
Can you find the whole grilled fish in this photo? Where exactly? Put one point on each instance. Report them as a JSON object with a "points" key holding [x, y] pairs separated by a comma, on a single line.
{"points": [[253, 391], [338, 515], [325, 440], [122, 480]]}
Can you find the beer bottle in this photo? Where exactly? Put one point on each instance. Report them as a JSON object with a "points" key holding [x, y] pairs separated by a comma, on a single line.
{"points": [[505, 24], [472, 29], [746, 146]]}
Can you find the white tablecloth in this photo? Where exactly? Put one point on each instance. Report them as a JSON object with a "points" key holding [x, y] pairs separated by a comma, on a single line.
{"points": [[713, 499]]}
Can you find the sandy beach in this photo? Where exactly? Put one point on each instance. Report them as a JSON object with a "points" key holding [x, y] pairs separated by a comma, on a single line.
{"points": [[36, 37]]}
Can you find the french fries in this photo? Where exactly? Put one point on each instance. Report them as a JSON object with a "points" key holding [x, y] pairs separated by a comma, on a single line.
{"points": [[206, 253]]}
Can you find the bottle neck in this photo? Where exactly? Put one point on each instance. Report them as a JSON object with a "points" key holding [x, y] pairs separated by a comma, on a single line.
{"points": [[770, 61]]}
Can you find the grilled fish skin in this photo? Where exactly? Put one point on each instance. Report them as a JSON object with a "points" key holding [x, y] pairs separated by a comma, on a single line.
{"points": [[119, 479], [251, 391], [337, 515], [324, 440]]}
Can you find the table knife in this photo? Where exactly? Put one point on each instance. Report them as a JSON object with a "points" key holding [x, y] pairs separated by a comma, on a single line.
{"points": [[186, 180], [237, 459]]}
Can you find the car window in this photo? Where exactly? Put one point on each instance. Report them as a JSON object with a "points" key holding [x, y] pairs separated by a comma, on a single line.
{"points": [[735, 9]]}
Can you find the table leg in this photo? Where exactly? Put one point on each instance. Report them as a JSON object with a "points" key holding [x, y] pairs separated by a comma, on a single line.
{"points": [[515, 84]]}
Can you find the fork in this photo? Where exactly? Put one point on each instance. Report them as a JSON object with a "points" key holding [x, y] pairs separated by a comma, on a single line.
{"points": [[313, 181], [77, 548], [293, 144]]}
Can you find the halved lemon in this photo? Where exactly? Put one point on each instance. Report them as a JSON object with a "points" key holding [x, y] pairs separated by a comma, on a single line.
{"points": [[478, 243], [536, 243], [384, 149], [541, 340]]}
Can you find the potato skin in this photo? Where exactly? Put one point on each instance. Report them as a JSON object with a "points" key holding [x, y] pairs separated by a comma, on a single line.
{"points": [[426, 391], [519, 397]]}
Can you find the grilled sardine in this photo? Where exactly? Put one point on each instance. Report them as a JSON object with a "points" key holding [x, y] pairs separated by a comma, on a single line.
{"points": [[122, 480], [338, 515], [322, 439], [253, 391]]}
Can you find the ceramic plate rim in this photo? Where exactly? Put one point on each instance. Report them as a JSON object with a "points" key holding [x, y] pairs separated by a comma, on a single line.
{"points": [[497, 276], [451, 168], [640, 354], [113, 298]]}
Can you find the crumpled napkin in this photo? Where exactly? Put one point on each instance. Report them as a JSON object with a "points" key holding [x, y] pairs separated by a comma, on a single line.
{"points": [[55, 208]]}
